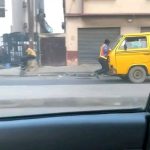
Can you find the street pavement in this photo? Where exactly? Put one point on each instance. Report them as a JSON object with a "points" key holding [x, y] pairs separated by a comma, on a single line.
{"points": [[69, 93], [84, 79], [60, 80], [66, 89], [52, 70]]}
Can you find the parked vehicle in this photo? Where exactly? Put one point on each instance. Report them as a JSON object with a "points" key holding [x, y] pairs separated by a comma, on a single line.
{"points": [[130, 57]]}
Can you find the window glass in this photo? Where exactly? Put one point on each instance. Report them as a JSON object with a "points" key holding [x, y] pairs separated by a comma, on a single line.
{"points": [[53, 59], [134, 43], [113, 44]]}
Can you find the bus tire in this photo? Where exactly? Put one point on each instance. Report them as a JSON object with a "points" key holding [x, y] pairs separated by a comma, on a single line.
{"points": [[137, 74]]}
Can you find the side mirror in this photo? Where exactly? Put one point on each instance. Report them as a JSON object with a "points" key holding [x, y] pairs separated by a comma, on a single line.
{"points": [[125, 46]]}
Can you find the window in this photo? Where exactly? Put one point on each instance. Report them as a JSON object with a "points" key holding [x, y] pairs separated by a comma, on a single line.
{"points": [[43, 72], [134, 43]]}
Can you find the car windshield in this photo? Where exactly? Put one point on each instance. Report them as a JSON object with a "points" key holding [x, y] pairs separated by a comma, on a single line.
{"points": [[54, 56], [115, 42]]}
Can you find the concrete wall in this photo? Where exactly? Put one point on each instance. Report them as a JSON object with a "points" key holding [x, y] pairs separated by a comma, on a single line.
{"points": [[116, 6], [107, 6], [20, 15], [129, 23], [73, 6], [72, 25]]}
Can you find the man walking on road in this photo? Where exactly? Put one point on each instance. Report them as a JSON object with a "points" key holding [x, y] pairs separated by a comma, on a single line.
{"points": [[103, 58]]}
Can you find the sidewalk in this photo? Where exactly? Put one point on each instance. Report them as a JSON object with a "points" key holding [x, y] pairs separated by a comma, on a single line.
{"points": [[52, 71]]}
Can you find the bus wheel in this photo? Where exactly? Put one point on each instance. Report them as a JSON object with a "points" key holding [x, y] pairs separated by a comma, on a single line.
{"points": [[137, 74]]}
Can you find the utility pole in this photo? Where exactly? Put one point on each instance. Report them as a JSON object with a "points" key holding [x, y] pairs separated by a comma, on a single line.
{"points": [[31, 22]]}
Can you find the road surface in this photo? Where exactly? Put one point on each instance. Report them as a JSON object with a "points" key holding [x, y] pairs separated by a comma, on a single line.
{"points": [[61, 80], [33, 95]]}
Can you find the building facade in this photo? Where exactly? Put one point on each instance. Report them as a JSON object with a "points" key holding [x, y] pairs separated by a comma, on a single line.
{"points": [[2, 8], [20, 17], [89, 22], [30, 27]]}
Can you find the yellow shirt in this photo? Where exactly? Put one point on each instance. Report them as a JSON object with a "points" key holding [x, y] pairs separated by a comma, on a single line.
{"points": [[31, 52]]}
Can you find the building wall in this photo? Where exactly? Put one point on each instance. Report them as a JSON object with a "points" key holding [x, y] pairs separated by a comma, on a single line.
{"points": [[73, 6], [101, 8], [20, 15], [116, 6], [107, 6], [72, 25]]}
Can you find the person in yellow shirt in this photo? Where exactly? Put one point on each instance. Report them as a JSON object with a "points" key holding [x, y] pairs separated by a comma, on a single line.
{"points": [[31, 54], [29, 57]]}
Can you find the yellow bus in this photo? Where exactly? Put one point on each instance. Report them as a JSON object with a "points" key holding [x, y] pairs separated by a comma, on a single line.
{"points": [[130, 57]]}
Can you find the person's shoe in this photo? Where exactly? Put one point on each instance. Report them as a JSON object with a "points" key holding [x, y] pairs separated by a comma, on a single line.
{"points": [[96, 75]]}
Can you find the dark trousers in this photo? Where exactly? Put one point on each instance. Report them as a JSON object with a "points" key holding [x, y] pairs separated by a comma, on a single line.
{"points": [[104, 64]]}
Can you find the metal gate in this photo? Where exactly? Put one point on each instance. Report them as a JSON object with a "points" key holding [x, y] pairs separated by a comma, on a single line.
{"points": [[89, 41], [53, 51], [13, 47]]}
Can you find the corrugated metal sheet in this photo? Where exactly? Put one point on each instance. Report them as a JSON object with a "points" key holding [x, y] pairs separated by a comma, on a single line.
{"points": [[89, 41]]}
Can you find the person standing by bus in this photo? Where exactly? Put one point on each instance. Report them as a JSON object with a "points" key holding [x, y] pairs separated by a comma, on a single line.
{"points": [[104, 49]]}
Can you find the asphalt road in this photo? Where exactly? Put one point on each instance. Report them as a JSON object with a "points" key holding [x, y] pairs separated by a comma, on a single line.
{"points": [[36, 95], [62, 80]]}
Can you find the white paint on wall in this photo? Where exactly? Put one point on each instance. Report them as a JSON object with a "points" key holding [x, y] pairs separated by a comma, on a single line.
{"points": [[5, 23]]}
